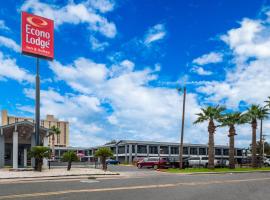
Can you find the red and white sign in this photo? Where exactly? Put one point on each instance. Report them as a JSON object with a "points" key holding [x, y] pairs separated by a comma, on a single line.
{"points": [[37, 36]]}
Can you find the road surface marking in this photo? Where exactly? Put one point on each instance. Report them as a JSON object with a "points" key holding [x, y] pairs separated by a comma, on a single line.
{"points": [[39, 194]]}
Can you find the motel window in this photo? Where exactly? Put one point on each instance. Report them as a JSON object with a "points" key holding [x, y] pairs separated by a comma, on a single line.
{"points": [[121, 149], [193, 151], [175, 150], [225, 152], [153, 149], [202, 151], [217, 151], [165, 150], [185, 150], [142, 149], [239, 152]]}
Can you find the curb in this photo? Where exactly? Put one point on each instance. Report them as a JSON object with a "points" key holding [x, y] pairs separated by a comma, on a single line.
{"points": [[59, 176], [229, 172]]}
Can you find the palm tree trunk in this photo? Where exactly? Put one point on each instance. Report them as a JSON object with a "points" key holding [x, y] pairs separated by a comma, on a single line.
{"points": [[254, 145], [211, 150], [231, 148], [69, 166], [104, 165]]}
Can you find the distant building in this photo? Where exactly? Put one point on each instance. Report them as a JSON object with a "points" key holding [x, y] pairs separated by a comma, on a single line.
{"points": [[61, 140], [127, 150]]}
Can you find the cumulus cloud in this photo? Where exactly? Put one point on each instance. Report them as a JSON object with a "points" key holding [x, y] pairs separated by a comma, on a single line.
{"points": [[102, 5], [10, 70], [81, 74], [155, 33], [201, 71], [73, 13], [248, 81], [96, 45], [9, 43], [205, 59], [3, 25]]}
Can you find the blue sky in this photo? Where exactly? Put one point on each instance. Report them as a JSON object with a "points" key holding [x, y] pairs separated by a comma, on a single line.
{"points": [[117, 64]]}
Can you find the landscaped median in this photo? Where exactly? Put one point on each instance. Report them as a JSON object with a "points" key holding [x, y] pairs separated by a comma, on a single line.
{"points": [[215, 171], [57, 172]]}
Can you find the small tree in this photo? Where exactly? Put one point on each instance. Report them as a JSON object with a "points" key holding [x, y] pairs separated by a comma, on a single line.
{"points": [[39, 153], [104, 153], [70, 156]]}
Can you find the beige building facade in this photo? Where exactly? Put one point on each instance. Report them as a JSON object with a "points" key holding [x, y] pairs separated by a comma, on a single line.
{"points": [[61, 140]]}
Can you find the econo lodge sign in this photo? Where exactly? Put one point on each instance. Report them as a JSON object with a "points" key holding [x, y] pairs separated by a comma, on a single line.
{"points": [[37, 36]]}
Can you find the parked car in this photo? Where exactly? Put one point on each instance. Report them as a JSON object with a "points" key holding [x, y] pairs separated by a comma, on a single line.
{"points": [[202, 162], [266, 162], [174, 163], [136, 160], [154, 162], [112, 162]]}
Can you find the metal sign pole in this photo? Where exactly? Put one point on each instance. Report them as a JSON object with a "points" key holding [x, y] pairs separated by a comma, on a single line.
{"points": [[37, 124]]}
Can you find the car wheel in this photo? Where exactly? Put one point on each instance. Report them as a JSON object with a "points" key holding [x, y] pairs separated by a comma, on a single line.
{"points": [[155, 167], [139, 166]]}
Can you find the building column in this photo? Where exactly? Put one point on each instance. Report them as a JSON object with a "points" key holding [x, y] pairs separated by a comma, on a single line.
{"points": [[125, 153], [198, 151], [15, 150], [147, 150], [158, 150], [25, 157], [116, 152], [136, 150], [45, 144], [169, 149], [130, 154], [2, 150], [33, 143]]}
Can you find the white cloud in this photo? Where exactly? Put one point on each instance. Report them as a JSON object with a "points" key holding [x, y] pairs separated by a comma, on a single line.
{"points": [[155, 33], [9, 43], [96, 45], [205, 59], [81, 74], [248, 82], [74, 14], [102, 5], [10, 70], [201, 71], [249, 40], [3, 25]]}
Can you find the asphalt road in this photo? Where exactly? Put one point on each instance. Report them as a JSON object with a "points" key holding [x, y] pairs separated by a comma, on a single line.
{"points": [[144, 184]]}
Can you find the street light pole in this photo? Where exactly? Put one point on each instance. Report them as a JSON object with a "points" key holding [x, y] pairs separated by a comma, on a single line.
{"points": [[182, 131], [37, 113]]}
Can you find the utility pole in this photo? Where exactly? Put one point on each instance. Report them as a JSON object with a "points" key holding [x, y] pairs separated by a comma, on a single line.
{"points": [[182, 130], [261, 143]]}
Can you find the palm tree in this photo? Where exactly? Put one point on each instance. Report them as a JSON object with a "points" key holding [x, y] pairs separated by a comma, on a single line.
{"points": [[230, 120], [104, 153], [55, 131], [70, 156], [39, 152], [210, 114], [254, 113]]}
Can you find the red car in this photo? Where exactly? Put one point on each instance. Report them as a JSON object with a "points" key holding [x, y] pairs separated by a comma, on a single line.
{"points": [[154, 162]]}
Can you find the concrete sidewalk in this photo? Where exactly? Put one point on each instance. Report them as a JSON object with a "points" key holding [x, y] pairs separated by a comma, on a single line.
{"points": [[58, 172]]}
